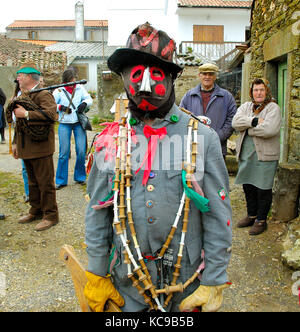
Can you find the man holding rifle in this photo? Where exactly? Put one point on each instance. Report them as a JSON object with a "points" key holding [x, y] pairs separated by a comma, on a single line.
{"points": [[34, 142]]}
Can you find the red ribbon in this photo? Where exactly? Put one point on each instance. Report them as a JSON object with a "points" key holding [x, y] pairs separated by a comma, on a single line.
{"points": [[154, 135]]}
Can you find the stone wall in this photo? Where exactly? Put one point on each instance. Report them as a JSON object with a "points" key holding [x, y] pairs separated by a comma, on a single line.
{"points": [[275, 37], [51, 64], [14, 53], [8, 75], [108, 91], [188, 80]]}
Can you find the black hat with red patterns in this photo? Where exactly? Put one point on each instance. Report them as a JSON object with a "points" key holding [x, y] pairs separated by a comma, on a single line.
{"points": [[146, 45]]}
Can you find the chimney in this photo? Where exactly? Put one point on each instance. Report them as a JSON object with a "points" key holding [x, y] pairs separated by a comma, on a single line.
{"points": [[79, 21]]}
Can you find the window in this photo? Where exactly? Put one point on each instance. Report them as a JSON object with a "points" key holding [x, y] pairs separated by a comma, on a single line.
{"points": [[82, 71], [208, 33], [89, 35], [33, 35]]}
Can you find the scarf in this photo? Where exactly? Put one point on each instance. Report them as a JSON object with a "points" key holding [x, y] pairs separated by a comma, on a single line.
{"points": [[70, 89]]}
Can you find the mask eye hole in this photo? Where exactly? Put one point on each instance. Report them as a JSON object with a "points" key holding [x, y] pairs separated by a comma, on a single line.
{"points": [[137, 74], [157, 74]]}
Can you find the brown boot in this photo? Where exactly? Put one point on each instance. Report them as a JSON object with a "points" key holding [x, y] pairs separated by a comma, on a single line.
{"points": [[246, 222], [45, 224], [29, 218], [259, 227]]}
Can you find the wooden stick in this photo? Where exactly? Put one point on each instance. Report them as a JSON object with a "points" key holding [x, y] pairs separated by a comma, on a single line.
{"points": [[171, 289], [135, 283], [190, 169], [9, 140], [118, 110], [67, 254]]}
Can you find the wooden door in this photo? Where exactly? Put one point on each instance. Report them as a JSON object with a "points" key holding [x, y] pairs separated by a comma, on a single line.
{"points": [[82, 71], [208, 33]]}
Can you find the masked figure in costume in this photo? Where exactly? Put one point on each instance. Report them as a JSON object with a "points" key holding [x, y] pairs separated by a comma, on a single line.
{"points": [[158, 223]]}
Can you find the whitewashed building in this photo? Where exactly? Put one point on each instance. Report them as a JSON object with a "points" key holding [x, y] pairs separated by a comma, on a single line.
{"points": [[211, 28], [213, 20]]}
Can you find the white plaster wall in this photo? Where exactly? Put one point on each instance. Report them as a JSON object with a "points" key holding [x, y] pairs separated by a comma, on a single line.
{"points": [[234, 20], [124, 16], [56, 34], [45, 34]]}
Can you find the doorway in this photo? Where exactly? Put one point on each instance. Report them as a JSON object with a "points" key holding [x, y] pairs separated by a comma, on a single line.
{"points": [[281, 98]]}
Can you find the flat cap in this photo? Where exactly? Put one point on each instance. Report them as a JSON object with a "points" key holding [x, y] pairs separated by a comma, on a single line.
{"points": [[29, 68], [208, 68]]}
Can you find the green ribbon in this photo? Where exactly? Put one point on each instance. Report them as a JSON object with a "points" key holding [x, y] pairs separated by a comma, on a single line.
{"points": [[113, 260], [111, 194], [108, 197], [200, 201]]}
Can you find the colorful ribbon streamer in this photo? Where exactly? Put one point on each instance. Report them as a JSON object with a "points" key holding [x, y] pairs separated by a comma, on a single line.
{"points": [[200, 201]]}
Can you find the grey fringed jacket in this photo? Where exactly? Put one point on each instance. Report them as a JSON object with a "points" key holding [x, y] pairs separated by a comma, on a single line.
{"points": [[210, 231]]}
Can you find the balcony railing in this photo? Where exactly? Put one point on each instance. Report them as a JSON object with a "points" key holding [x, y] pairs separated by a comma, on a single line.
{"points": [[208, 50]]}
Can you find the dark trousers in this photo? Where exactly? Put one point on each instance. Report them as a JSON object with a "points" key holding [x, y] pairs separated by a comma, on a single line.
{"points": [[42, 193], [259, 201], [2, 134]]}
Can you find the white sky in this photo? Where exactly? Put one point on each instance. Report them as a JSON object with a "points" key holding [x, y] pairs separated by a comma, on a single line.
{"points": [[12, 10]]}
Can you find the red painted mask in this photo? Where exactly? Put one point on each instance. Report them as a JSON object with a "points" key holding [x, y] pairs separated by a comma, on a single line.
{"points": [[148, 87]]}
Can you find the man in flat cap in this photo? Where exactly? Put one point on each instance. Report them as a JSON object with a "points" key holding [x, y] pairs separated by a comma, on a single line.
{"points": [[208, 99], [34, 142], [142, 229]]}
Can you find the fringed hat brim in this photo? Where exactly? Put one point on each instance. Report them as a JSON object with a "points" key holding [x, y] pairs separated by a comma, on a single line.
{"points": [[124, 57]]}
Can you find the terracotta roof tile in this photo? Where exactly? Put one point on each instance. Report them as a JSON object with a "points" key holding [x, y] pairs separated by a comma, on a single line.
{"points": [[38, 42], [55, 24], [215, 3], [10, 49]]}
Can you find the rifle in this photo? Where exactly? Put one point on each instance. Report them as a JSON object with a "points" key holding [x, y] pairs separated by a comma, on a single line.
{"points": [[53, 87]]}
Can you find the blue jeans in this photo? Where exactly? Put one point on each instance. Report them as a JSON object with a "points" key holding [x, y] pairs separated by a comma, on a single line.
{"points": [[25, 179], [64, 134]]}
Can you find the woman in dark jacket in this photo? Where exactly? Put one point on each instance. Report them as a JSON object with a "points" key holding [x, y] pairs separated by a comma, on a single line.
{"points": [[2, 115]]}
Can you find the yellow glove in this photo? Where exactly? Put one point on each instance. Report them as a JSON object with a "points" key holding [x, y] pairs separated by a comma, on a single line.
{"points": [[210, 298], [99, 290]]}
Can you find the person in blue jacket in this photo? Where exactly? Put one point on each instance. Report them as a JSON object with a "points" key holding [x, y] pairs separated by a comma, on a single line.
{"points": [[208, 99], [71, 100]]}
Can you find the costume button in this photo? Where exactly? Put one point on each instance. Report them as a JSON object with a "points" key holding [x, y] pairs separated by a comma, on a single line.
{"points": [[132, 122], [152, 175], [150, 188], [149, 204], [174, 118], [151, 220]]}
